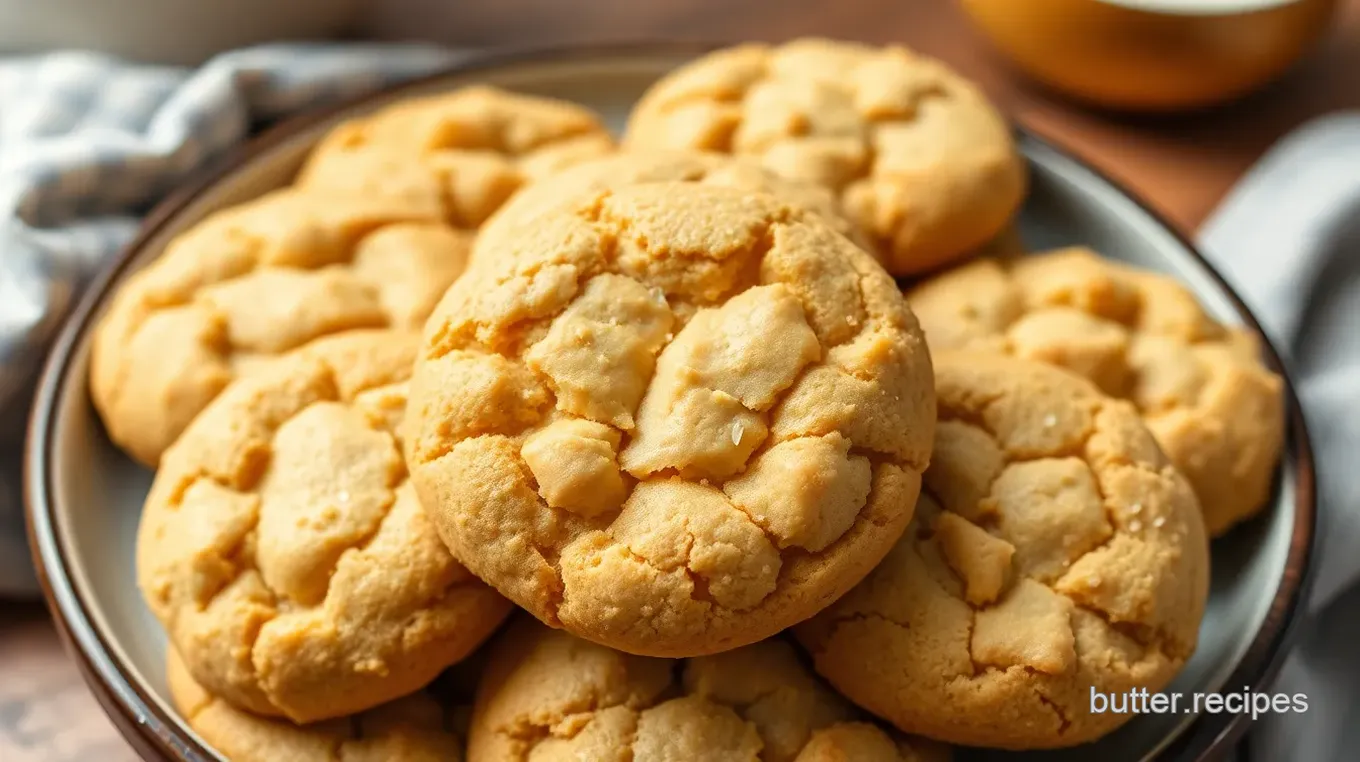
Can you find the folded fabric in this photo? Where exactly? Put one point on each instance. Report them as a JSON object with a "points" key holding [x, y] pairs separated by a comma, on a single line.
{"points": [[87, 144], [1288, 238]]}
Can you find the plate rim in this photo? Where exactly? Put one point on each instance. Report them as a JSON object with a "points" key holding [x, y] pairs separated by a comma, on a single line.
{"points": [[156, 734]]}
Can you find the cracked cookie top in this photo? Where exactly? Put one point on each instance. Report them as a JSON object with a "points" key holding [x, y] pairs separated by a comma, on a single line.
{"points": [[1054, 551], [251, 282], [285, 552], [619, 170], [458, 155], [548, 696], [1216, 410], [673, 418], [414, 728], [918, 156]]}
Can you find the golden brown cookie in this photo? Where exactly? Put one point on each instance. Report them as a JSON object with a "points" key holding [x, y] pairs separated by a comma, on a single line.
{"points": [[1054, 551], [672, 419], [619, 170], [284, 549], [254, 281], [548, 696], [458, 154], [1216, 410], [919, 157], [415, 728]]}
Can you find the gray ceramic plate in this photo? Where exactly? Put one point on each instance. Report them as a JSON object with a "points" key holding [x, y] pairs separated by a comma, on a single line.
{"points": [[84, 496]]}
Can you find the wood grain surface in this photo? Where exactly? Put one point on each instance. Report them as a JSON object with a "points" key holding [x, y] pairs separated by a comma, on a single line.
{"points": [[1183, 164], [46, 713]]}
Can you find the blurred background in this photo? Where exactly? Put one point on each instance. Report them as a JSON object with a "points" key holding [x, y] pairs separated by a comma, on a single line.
{"points": [[1185, 161], [1183, 51], [1177, 98]]}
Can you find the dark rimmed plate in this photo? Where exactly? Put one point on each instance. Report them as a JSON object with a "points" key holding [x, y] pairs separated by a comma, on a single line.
{"points": [[84, 496]]}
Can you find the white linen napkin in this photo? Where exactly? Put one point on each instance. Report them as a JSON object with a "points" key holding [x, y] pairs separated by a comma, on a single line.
{"points": [[1288, 239], [87, 144]]}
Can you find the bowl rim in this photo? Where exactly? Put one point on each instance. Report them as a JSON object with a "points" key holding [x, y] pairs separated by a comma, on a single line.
{"points": [[155, 734]]}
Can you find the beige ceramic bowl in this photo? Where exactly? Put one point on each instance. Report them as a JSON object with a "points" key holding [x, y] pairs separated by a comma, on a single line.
{"points": [[1152, 54]]}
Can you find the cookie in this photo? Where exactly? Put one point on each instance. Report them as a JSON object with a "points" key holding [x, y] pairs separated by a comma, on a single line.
{"points": [[458, 155], [1216, 410], [415, 728], [674, 418], [284, 550], [619, 170], [549, 696], [1054, 552], [250, 283], [918, 156]]}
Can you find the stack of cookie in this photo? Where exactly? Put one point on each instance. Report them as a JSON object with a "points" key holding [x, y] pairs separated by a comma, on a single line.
{"points": [[678, 410]]}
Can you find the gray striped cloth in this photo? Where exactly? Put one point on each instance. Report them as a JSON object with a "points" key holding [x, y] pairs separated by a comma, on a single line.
{"points": [[87, 144]]}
